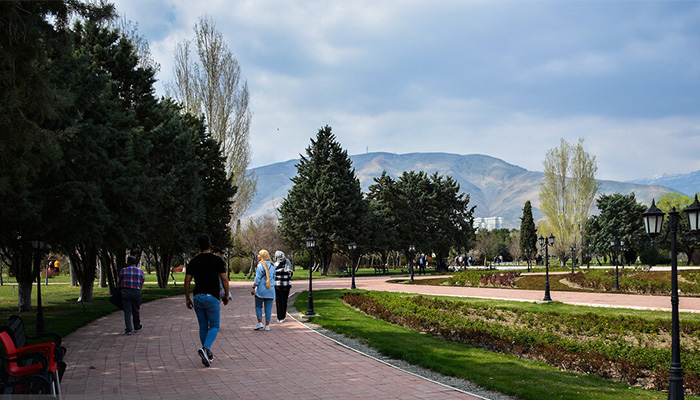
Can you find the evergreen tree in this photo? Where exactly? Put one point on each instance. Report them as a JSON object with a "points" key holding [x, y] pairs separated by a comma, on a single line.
{"points": [[528, 234], [35, 96], [433, 215], [325, 202], [680, 202], [382, 233]]}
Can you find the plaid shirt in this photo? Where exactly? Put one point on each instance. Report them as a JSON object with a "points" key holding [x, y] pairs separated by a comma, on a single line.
{"points": [[283, 276], [131, 277]]}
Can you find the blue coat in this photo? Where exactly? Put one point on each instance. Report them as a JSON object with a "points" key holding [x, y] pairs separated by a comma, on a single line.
{"points": [[261, 290]]}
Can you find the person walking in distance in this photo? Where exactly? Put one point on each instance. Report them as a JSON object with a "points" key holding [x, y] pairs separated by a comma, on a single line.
{"points": [[131, 280], [283, 283], [206, 269], [262, 289]]}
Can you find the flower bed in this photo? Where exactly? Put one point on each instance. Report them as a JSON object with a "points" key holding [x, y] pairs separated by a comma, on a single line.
{"points": [[629, 349]]}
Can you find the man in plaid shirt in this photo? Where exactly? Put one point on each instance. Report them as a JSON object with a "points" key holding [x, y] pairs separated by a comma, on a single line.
{"points": [[131, 280]]}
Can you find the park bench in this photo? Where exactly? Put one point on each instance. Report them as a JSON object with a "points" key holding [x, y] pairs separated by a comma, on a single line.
{"points": [[20, 338], [22, 365]]}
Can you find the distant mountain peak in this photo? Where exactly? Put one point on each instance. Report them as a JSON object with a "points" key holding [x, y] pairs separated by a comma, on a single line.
{"points": [[497, 188], [688, 184]]}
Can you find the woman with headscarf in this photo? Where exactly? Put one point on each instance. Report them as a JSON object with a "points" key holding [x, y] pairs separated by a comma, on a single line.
{"points": [[262, 289], [283, 283]]}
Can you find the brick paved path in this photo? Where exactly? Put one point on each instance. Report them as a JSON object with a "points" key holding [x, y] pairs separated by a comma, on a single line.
{"points": [[289, 361]]}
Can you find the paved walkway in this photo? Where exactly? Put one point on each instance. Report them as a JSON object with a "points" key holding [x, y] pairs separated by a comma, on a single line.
{"points": [[289, 361]]}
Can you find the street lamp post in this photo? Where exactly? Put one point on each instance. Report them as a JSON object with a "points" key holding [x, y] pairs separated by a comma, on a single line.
{"points": [[352, 246], [573, 257], [310, 244], [546, 243], [411, 252], [617, 246], [653, 222], [37, 245]]}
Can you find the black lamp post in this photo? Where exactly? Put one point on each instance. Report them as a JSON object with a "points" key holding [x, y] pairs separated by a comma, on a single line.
{"points": [[546, 243], [573, 257], [411, 252], [653, 222], [617, 245], [38, 245], [310, 244], [352, 246]]}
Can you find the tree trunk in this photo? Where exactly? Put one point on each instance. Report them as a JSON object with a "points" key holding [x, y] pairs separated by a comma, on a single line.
{"points": [[252, 266], [84, 261], [24, 296], [163, 263]]}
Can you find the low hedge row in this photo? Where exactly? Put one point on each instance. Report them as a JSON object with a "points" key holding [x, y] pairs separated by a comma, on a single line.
{"points": [[628, 349]]}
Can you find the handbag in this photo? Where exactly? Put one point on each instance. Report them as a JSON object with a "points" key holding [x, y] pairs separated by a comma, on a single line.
{"points": [[116, 298]]}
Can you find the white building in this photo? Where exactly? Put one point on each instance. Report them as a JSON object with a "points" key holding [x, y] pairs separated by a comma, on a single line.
{"points": [[489, 223]]}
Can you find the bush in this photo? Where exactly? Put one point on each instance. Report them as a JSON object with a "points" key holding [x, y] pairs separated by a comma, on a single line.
{"points": [[239, 264], [623, 348]]}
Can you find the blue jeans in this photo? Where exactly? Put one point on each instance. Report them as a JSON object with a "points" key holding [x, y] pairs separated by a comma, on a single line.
{"points": [[268, 308], [207, 309]]}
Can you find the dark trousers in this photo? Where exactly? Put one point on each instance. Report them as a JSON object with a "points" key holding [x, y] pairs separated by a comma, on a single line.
{"points": [[132, 304], [281, 296]]}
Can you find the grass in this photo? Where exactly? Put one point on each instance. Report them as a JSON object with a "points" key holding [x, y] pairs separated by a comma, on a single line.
{"points": [[502, 373], [63, 314]]}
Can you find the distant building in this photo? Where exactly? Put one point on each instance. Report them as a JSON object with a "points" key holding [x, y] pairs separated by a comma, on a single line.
{"points": [[489, 223]]}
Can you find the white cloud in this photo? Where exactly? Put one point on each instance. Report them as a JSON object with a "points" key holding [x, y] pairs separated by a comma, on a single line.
{"points": [[506, 79]]}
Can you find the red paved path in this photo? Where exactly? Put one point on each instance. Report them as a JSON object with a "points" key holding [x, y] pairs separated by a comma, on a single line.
{"points": [[290, 361]]}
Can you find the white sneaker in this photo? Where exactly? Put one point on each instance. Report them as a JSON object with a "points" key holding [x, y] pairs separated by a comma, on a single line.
{"points": [[282, 320], [267, 327], [258, 326]]}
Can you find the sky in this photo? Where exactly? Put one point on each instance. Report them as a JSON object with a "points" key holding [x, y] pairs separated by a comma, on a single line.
{"points": [[508, 79]]}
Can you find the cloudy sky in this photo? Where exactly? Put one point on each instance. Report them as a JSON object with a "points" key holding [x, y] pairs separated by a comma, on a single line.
{"points": [[508, 79]]}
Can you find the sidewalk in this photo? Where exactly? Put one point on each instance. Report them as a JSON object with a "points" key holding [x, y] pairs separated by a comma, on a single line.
{"points": [[289, 361]]}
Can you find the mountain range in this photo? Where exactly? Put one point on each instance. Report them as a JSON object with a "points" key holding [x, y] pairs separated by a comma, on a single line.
{"points": [[497, 188], [688, 184]]}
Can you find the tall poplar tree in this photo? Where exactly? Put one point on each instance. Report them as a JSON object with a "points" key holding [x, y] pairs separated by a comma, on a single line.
{"points": [[325, 202], [567, 195], [211, 84]]}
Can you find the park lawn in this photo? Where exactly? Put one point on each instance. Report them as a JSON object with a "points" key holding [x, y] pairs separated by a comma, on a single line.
{"points": [[502, 373], [63, 313]]}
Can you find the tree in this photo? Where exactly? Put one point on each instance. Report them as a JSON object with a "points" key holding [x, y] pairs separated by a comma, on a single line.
{"points": [[326, 200], [486, 244], [382, 232], [567, 194], [212, 85], [619, 218], [680, 202], [258, 234], [432, 215], [528, 234], [514, 247], [35, 52]]}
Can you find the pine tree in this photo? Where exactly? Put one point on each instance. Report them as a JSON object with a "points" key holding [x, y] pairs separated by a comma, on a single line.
{"points": [[326, 200]]}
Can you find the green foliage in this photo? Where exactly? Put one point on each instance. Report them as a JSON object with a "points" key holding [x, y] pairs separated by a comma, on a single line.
{"points": [[325, 202], [619, 218], [528, 234], [507, 374], [97, 165], [666, 203], [629, 349]]}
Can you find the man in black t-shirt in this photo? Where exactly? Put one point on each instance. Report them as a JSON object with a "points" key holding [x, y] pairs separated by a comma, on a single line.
{"points": [[206, 269]]}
